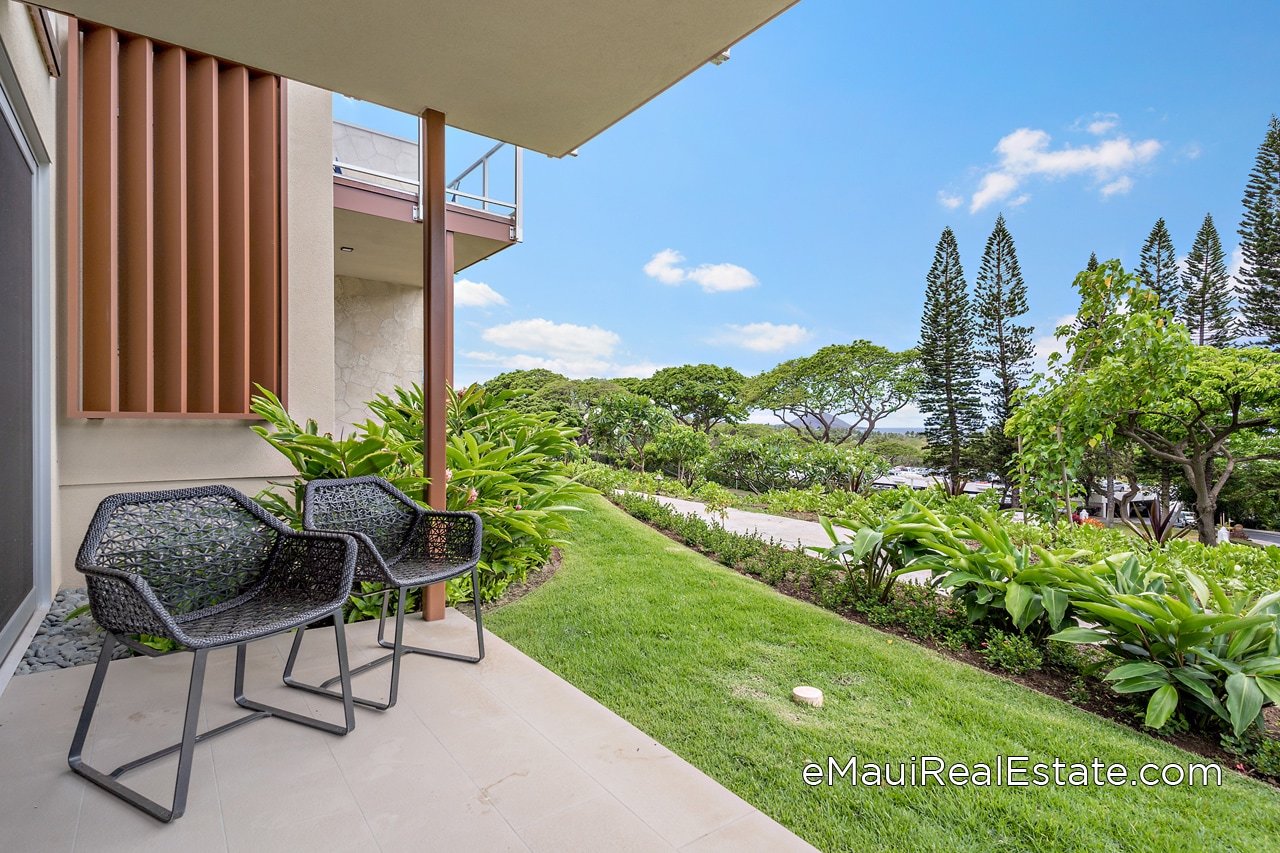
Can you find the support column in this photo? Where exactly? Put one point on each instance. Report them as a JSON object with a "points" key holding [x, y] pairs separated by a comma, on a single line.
{"points": [[437, 326]]}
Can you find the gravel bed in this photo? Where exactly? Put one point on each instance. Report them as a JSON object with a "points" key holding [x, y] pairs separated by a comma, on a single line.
{"points": [[60, 642]]}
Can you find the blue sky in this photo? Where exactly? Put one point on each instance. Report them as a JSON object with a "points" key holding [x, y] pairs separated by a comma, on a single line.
{"points": [[803, 184]]}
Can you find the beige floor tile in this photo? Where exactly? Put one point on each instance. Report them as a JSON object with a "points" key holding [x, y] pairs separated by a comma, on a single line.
{"points": [[40, 802], [599, 824], [337, 830], [749, 834], [109, 824], [672, 796], [494, 756]]}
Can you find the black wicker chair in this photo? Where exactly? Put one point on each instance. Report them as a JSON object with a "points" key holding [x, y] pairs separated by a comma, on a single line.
{"points": [[402, 546], [206, 568]]}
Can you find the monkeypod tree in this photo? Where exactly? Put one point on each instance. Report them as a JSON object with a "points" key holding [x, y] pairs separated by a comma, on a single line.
{"points": [[860, 383], [699, 395], [1133, 373]]}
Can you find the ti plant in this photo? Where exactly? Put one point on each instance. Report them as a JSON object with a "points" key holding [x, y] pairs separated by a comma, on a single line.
{"points": [[1161, 527]]}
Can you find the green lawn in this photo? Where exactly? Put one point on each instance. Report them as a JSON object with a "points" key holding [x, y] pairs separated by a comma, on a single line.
{"points": [[704, 660]]}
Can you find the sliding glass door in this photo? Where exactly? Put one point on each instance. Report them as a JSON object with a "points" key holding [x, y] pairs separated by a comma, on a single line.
{"points": [[17, 378]]}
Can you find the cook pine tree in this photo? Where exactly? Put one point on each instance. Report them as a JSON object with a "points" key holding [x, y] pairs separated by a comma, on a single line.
{"points": [[950, 394], [1004, 345], [1207, 307], [1259, 279], [1158, 268]]}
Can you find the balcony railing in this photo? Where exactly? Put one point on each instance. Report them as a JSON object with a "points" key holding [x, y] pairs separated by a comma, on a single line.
{"points": [[380, 159]]}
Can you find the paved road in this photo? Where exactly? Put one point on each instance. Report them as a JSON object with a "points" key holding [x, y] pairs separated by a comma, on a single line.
{"points": [[1265, 537]]}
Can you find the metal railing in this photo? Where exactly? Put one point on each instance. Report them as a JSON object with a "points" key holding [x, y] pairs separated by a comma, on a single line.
{"points": [[482, 171]]}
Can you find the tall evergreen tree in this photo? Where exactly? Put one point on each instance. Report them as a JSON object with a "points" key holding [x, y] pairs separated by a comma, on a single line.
{"points": [[1260, 242], [1207, 308], [1093, 262], [1004, 346], [1158, 268], [950, 393]]}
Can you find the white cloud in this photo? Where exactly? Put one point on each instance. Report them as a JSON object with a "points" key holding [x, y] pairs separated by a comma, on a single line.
{"points": [[1047, 343], [554, 339], [580, 367], [1236, 265], [1019, 201], [1192, 151], [762, 337], [1027, 153], [949, 201], [995, 186], [663, 267], [712, 278], [578, 352], [1119, 186], [723, 278], [1100, 123], [476, 294]]}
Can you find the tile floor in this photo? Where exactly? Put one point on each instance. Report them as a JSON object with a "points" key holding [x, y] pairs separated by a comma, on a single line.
{"points": [[503, 755]]}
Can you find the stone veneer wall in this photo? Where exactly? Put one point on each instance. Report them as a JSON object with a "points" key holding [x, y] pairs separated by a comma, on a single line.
{"points": [[377, 343]]}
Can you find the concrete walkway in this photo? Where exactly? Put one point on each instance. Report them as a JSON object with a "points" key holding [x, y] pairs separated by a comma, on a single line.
{"points": [[793, 533]]}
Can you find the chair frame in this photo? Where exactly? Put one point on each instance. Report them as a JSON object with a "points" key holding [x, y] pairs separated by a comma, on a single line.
{"points": [[146, 598], [372, 560]]}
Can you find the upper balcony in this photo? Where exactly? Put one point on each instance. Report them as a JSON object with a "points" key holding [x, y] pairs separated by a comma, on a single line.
{"points": [[377, 202]]}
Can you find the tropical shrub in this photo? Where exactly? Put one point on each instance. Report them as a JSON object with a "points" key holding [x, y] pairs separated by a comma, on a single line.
{"points": [[778, 460], [1014, 653], [507, 466], [681, 450], [876, 555], [622, 424], [1190, 645]]}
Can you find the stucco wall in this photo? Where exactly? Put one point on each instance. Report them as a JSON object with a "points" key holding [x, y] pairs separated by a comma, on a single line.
{"points": [[377, 343], [98, 458]]}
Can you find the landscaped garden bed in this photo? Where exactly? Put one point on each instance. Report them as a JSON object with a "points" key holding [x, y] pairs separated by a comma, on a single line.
{"points": [[945, 620]]}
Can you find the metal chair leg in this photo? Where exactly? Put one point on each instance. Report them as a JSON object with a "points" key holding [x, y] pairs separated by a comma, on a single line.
{"points": [[322, 689], [185, 748], [436, 653], [344, 675]]}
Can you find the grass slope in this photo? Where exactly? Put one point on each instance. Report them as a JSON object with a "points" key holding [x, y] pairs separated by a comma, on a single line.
{"points": [[704, 660]]}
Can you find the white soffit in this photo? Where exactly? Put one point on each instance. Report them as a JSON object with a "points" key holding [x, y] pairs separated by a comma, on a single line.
{"points": [[546, 75]]}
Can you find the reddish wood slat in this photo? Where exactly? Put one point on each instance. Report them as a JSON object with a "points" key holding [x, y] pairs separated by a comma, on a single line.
{"points": [[202, 235], [264, 222], [171, 261], [137, 224], [233, 239], [99, 288]]}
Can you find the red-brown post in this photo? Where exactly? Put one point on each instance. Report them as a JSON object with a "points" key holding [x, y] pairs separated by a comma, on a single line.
{"points": [[436, 326]]}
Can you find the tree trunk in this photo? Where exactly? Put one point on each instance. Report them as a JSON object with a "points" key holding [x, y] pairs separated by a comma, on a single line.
{"points": [[1108, 507], [1200, 477], [1126, 500]]}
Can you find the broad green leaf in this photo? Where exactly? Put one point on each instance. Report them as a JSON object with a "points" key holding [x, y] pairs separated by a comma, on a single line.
{"points": [[1161, 706]]}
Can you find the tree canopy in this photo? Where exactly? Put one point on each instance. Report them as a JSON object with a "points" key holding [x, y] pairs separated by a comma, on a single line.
{"points": [[859, 382], [699, 395], [1132, 372]]}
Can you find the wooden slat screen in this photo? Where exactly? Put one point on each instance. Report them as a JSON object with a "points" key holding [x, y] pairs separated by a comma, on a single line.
{"points": [[176, 244]]}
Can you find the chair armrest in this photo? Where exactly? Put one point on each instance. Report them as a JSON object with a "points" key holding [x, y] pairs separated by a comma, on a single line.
{"points": [[318, 562], [124, 603], [438, 536]]}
